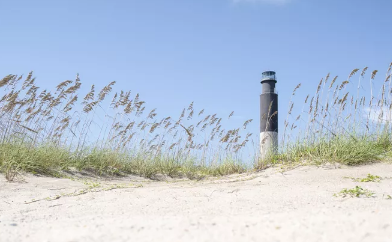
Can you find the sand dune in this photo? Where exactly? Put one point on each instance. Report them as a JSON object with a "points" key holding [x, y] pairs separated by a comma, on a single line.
{"points": [[296, 205]]}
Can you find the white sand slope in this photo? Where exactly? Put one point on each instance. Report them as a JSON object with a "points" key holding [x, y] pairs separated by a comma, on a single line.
{"points": [[296, 205]]}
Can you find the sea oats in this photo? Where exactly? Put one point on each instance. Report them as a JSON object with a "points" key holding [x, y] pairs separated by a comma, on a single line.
{"points": [[130, 137], [341, 101], [63, 84], [326, 78], [389, 68], [90, 95], [153, 127], [129, 126], [140, 111], [295, 89], [69, 105], [388, 78], [213, 121], [380, 116], [374, 74], [231, 114], [73, 88], [42, 94], [168, 124], [6, 80], [291, 108], [29, 80], [226, 137], [172, 146], [344, 106], [204, 127], [364, 71], [140, 124], [128, 108], [311, 105], [113, 102], [48, 97], [218, 128], [182, 114], [343, 85], [206, 118], [262, 142], [32, 91], [88, 107], [190, 115], [190, 135], [221, 132], [273, 114], [316, 107], [333, 81], [319, 85], [105, 91], [152, 114], [219, 121], [190, 107], [353, 73]]}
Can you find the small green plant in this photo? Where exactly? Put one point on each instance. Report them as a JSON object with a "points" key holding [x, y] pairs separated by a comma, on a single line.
{"points": [[92, 184], [369, 178], [355, 192]]}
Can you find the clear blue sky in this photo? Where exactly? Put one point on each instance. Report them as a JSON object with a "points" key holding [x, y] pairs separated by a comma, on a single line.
{"points": [[212, 52]]}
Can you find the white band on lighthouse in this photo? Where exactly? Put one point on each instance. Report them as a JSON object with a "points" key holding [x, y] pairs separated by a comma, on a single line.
{"points": [[268, 144]]}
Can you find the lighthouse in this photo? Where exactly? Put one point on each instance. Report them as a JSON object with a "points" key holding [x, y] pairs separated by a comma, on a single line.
{"points": [[268, 115]]}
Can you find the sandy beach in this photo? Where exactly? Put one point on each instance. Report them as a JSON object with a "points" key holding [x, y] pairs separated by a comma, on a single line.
{"points": [[271, 205]]}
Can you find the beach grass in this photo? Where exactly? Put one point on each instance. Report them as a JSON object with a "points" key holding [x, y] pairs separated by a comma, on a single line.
{"points": [[44, 132], [341, 122]]}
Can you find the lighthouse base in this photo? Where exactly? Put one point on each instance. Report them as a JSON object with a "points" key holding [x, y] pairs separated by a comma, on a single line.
{"points": [[268, 144]]}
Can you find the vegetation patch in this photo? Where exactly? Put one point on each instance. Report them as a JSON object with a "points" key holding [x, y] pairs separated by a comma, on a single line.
{"points": [[355, 192], [369, 178], [44, 132], [115, 133]]}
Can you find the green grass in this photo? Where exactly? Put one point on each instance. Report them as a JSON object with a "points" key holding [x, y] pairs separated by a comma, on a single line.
{"points": [[344, 150], [49, 160]]}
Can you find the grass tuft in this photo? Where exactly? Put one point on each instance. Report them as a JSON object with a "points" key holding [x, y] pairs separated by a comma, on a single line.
{"points": [[369, 178], [355, 192]]}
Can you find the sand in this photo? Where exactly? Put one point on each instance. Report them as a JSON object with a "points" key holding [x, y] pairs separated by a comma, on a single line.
{"points": [[296, 205]]}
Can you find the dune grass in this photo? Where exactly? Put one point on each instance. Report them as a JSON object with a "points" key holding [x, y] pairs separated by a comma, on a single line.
{"points": [[342, 122], [48, 160], [44, 132]]}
